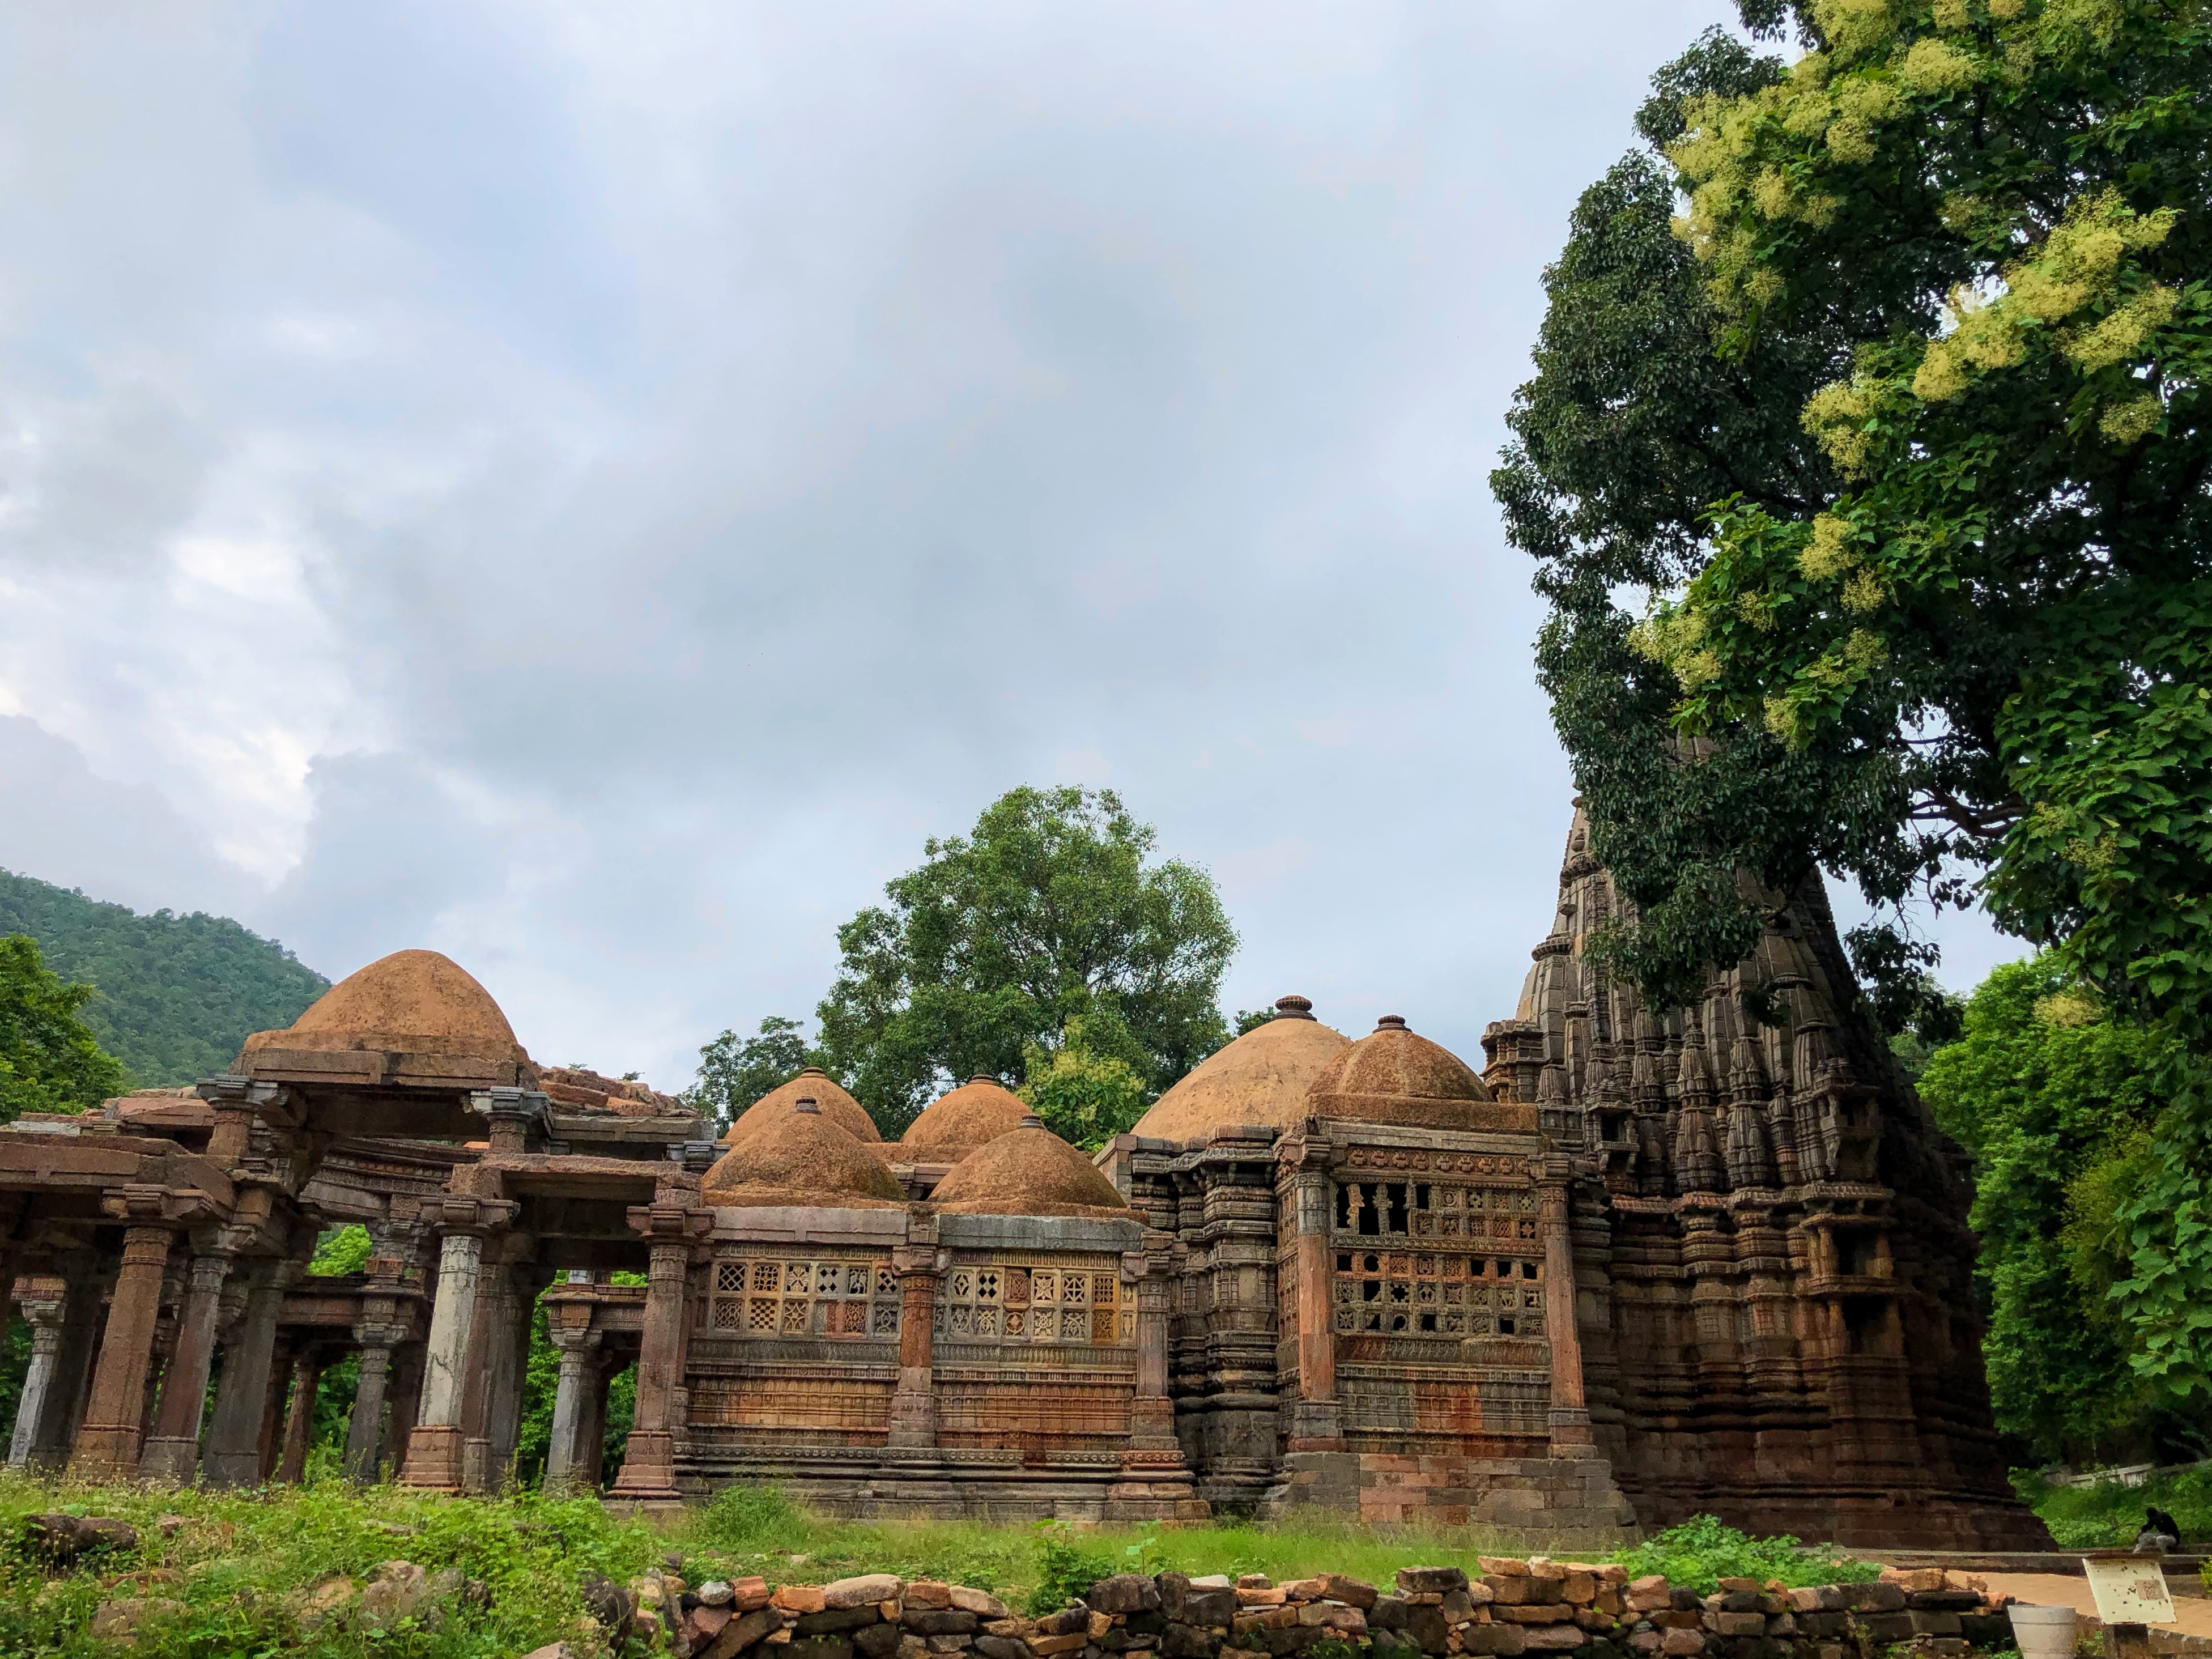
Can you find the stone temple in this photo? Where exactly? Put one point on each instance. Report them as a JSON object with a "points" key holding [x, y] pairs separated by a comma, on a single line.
{"points": [[1645, 1264]]}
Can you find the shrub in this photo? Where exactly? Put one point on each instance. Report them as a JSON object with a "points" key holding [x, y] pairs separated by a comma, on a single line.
{"points": [[1701, 1551], [750, 1519]]}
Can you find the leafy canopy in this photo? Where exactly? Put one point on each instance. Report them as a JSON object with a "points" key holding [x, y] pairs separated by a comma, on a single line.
{"points": [[1897, 440], [2054, 1099], [1051, 910], [1083, 1086], [177, 994], [49, 1059]]}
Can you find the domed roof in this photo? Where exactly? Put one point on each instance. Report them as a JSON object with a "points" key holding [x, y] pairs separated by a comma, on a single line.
{"points": [[815, 1084], [1028, 1171], [411, 1002], [974, 1115], [801, 1159], [1262, 1077], [1392, 1076]]}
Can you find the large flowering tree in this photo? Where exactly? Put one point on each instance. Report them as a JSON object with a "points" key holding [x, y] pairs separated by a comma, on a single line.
{"points": [[1934, 607]]}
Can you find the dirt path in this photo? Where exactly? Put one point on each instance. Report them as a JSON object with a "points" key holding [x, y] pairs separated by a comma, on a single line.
{"points": [[2192, 1614]]}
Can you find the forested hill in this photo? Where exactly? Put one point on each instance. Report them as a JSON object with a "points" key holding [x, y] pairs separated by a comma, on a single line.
{"points": [[178, 995]]}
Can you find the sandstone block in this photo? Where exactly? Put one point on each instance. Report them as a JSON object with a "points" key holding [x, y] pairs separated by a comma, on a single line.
{"points": [[1525, 1614], [1045, 1646], [1509, 1639], [1752, 1585], [878, 1641], [1677, 1642], [1645, 1641], [1182, 1641], [747, 1594], [1552, 1638], [1126, 1592], [1002, 1647], [1075, 1620], [1508, 1590], [1578, 1589], [798, 1598], [1910, 1579], [1882, 1597], [1432, 1581], [1260, 1595], [1254, 1581], [1888, 1627], [1427, 1627], [981, 1603], [865, 1591], [947, 1644], [1501, 1566], [1352, 1592], [835, 1621], [399, 1590], [742, 1632], [1933, 1624], [1725, 1623], [951, 1621], [1608, 1598], [928, 1593], [1952, 1579], [1591, 1620]]}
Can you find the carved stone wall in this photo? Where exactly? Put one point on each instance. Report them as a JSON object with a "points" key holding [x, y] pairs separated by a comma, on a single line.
{"points": [[1777, 1312]]}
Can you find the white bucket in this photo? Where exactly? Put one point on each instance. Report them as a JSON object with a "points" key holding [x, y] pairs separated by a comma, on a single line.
{"points": [[2043, 1633]]}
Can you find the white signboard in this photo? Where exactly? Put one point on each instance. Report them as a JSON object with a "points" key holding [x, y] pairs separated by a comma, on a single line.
{"points": [[2130, 1592]]}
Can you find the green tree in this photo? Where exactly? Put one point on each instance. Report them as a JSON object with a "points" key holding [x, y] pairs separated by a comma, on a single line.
{"points": [[1047, 911], [2053, 1098], [178, 995], [1085, 1086], [734, 1071], [1920, 526], [50, 1060]]}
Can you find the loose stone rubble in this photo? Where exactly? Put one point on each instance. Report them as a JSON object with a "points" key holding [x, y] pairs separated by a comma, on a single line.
{"points": [[1514, 1607]]}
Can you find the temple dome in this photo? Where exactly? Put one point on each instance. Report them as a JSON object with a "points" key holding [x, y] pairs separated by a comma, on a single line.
{"points": [[1393, 1076], [801, 1159], [1262, 1077], [1028, 1171], [840, 1108], [409, 1002], [970, 1116]]}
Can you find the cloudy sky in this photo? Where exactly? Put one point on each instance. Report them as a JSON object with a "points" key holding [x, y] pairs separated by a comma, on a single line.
{"points": [[589, 488]]}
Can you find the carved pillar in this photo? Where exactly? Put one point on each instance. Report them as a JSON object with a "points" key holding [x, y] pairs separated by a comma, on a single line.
{"points": [[434, 1446], [566, 1462], [300, 1419], [55, 1434], [488, 1385], [593, 1472], [503, 1423], [45, 1321], [913, 1406], [649, 1469], [1317, 1415], [1151, 1414], [172, 1453], [233, 1454], [1571, 1419], [404, 1391], [364, 1432], [107, 1443]]}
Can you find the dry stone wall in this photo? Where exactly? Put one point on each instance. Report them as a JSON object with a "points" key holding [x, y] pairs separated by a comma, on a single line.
{"points": [[1513, 1607]]}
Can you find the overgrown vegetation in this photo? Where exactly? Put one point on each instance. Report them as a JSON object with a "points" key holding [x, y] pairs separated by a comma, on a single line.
{"points": [[2108, 1516], [2056, 1101], [175, 995], [238, 1562], [1702, 1551], [50, 1060]]}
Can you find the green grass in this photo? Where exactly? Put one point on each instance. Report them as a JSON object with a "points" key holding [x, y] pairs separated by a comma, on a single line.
{"points": [[2108, 1516], [1700, 1552], [753, 1530], [239, 1557]]}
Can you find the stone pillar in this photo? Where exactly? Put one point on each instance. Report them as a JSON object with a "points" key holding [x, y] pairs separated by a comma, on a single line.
{"points": [[55, 1434], [364, 1432], [594, 1454], [913, 1406], [300, 1417], [1317, 1415], [433, 1450], [488, 1383], [45, 1320], [648, 1470], [1151, 1414], [107, 1443], [173, 1452], [565, 1463], [270, 1441], [1155, 1482], [503, 1422], [1570, 1418], [404, 1391], [233, 1458]]}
